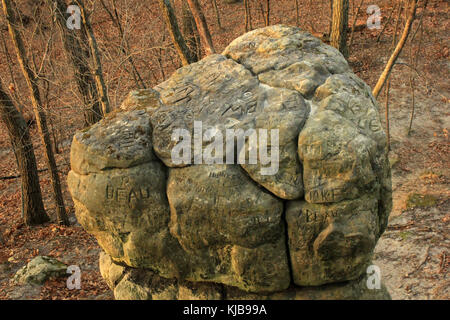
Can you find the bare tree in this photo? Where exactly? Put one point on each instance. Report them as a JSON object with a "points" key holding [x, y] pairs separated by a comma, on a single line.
{"points": [[190, 32], [202, 26], [98, 73], [124, 45], [159, 54], [355, 18], [175, 33], [411, 13], [330, 25], [79, 59], [247, 15], [216, 10], [33, 210], [388, 81], [387, 23], [38, 110], [414, 63], [338, 37], [267, 12]]}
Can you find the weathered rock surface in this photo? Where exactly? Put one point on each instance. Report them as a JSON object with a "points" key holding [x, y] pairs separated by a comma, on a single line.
{"points": [[343, 147], [122, 140], [333, 242], [304, 207], [140, 284], [141, 99], [40, 269], [220, 102], [279, 47], [128, 212], [219, 215], [130, 218]]}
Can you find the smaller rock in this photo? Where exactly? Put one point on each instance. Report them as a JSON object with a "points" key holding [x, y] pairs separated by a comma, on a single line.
{"points": [[111, 272], [393, 160], [12, 260], [415, 200], [40, 269]]}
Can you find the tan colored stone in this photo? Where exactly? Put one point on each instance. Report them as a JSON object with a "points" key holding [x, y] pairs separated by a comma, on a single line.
{"points": [[218, 209], [142, 99], [331, 242], [218, 230], [120, 141]]}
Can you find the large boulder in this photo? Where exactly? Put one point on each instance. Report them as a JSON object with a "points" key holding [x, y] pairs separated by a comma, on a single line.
{"points": [[260, 172]]}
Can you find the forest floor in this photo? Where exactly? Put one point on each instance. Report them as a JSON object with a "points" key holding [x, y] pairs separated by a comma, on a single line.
{"points": [[414, 252]]}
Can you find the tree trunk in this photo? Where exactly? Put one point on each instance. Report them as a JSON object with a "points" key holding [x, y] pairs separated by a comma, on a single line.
{"points": [[330, 25], [202, 26], [246, 15], [338, 37], [413, 62], [79, 59], [38, 111], [33, 210], [398, 49], [98, 73], [355, 18], [190, 32], [388, 81], [177, 37], [267, 12], [216, 9]]}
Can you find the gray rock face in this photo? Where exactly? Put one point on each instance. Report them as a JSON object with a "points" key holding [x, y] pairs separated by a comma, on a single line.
{"points": [[331, 243], [221, 103], [282, 181], [40, 269], [122, 140], [141, 284], [277, 48], [218, 209]]}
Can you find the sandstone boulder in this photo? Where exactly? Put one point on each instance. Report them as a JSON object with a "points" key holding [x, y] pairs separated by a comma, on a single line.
{"points": [[258, 173]]}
